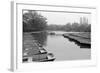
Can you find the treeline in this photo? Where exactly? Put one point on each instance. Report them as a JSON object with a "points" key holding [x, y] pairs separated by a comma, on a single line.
{"points": [[83, 26], [76, 27], [33, 21]]}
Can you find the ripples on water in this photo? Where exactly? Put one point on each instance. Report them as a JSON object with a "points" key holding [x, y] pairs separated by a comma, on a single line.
{"points": [[62, 48]]}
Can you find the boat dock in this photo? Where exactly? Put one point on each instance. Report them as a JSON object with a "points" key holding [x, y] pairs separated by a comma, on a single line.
{"points": [[35, 52]]}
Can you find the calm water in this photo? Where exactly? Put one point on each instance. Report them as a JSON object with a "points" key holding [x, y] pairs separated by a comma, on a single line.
{"points": [[62, 48]]}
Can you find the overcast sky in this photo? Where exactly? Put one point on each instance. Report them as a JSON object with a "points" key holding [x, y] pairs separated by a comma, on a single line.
{"points": [[63, 18]]}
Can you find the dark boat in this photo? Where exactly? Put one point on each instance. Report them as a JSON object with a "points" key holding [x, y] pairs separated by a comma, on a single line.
{"points": [[52, 33], [25, 59]]}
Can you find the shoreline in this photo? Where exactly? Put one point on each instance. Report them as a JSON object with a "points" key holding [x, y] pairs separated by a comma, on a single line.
{"points": [[83, 38], [35, 52]]}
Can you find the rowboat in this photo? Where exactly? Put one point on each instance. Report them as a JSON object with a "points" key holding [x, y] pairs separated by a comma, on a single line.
{"points": [[42, 50], [50, 57]]}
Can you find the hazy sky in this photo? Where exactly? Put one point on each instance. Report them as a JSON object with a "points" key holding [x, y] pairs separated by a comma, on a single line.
{"points": [[63, 18]]}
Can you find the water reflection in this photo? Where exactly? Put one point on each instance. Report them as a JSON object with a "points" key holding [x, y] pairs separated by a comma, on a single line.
{"points": [[40, 37], [62, 48]]}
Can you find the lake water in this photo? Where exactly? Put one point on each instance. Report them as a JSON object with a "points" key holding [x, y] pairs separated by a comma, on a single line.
{"points": [[62, 48]]}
